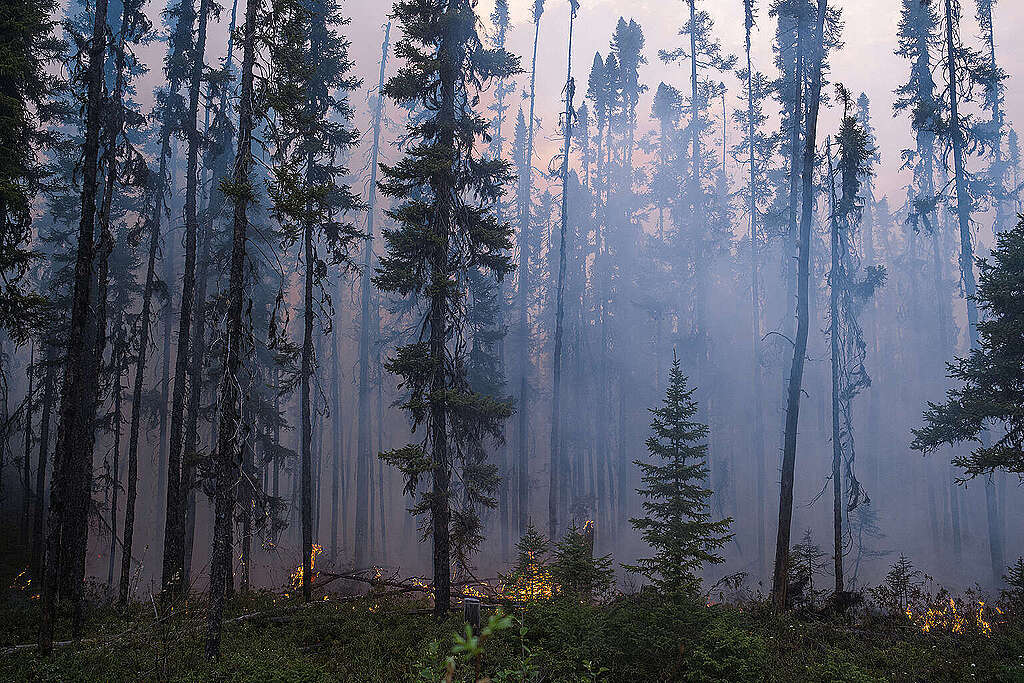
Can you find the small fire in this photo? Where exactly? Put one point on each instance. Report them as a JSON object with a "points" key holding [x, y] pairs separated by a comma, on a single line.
{"points": [[534, 583], [296, 576], [954, 618], [588, 526]]}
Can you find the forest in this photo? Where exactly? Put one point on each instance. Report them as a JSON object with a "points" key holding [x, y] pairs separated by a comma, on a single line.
{"points": [[511, 340]]}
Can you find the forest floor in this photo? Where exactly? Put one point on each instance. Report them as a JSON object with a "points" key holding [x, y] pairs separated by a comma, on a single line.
{"points": [[631, 638], [389, 637]]}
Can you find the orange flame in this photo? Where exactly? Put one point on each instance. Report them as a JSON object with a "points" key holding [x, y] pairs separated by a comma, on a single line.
{"points": [[954, 618], [296, 575]]}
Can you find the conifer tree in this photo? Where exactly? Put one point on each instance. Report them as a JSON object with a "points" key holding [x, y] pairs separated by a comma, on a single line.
{"points": [[678, 525], [27, 105], [989, 378], [313, 130], [439, 237]]}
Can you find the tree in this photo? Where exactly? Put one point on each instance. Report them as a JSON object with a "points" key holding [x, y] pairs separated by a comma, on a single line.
{"points": [[558, 473], [575, 570], [961, 64], [847, 292], [439, 237], [241, 192], [314, 131], [678, 525], [990, 376], [363, 445], [524, 195], [70, 486], [27, 105], [179, 469], [795, 386]]}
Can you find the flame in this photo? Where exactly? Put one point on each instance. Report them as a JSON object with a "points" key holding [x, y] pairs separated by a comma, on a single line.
{"points": [[588, 525], [296, 575], [954, 618], [534, 583]]}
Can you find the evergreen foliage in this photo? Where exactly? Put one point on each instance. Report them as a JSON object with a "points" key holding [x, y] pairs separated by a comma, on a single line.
{"points": [[678, 525], [575, 569], [991, 377], [445, 227]]}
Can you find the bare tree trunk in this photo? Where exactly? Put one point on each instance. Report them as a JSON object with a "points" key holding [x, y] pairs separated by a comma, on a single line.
{"points": [[26, 470], [800, 347], [757, 444], [837, 442], [306, 373], [118, 366], [49, 394], [363, 440]]}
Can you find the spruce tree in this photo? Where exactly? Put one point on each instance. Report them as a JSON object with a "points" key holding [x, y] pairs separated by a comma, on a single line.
{"points": [[678, 524], [990, 378], [445, 227]]}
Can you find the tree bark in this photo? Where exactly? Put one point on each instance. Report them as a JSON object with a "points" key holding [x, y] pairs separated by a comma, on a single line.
{"points": [[172, 581], [69, 493], [800, 347], [228, 437]]}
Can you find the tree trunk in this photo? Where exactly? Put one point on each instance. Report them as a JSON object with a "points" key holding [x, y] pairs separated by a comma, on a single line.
{"points": [[837, 442], [963, 213], [49, 394], [557, 473], [800, 347], [69, 493], [228, 437], [26, 470], [172, 582]]}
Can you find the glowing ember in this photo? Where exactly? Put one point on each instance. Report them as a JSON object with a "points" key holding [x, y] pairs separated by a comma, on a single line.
{"points": [[954, 618]]}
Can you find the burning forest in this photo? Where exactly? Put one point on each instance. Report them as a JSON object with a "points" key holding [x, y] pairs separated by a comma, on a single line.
{"points": [[511, 340]]}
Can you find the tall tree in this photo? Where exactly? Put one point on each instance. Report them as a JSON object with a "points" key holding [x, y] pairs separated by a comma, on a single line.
{"points": [[70, 486], [795, 386], [525, 196], [240, 190], [363, 441], [178, 469], [558, 473], [309, 197], [439, 237], [958, 62]]}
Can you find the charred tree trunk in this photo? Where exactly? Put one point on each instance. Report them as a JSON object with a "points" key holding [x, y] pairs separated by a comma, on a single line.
{"points": [[557, 474], [39, 514]]}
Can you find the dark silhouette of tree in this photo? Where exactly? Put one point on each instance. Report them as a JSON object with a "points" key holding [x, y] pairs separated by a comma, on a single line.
{"points": [[439, 237]]}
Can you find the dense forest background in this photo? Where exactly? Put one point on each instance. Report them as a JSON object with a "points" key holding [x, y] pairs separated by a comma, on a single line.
{"points": [[215, 371]]}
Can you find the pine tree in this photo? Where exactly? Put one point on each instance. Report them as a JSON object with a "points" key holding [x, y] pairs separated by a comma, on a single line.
{"points": [[228, 448], [70, 487], [440, 236], [990, 377], [678, 525], [575, 570]]}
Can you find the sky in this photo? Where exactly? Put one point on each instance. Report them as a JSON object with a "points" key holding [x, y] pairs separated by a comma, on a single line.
{"points": [[865, 64]]}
